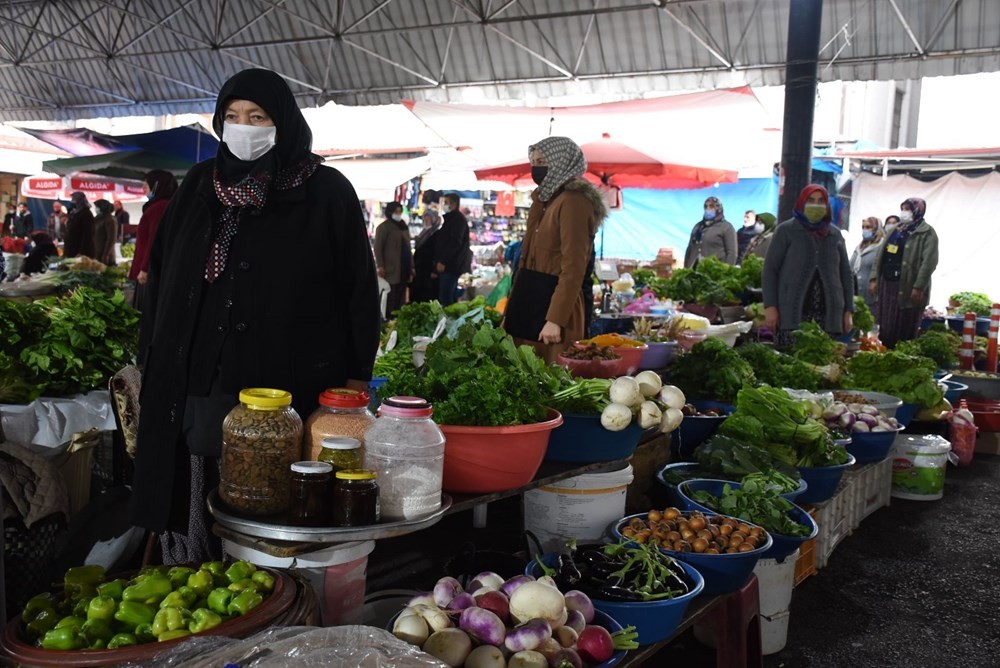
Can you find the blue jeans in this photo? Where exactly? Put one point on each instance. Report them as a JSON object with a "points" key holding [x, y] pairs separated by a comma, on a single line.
{"points": [[447, 287]]}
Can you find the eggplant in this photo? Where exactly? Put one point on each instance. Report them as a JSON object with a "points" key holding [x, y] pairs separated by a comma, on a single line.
{"points": [[613, 593]]}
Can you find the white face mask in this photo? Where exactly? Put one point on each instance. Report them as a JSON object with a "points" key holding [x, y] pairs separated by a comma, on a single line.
{"points": [[249, 142], [758, 227], [906, 216], [445, 208], [397, 217]]}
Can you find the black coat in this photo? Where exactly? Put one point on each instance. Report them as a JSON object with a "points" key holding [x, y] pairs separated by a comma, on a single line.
{"points": [[79, 234], [451, 244], [301, 313]]}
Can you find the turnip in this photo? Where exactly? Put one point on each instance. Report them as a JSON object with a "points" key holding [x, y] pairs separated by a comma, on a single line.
{"points": [[834, 411], [861, 427], [577, 600], [549, 647], [527, 659], [625, 391], [650, 383], [650, 415], [436, 618], [487, 579], [510, 586], [462, 601], [595, 645], [483, 626], [672, 418], [496, 603], [548, 581], [566, 636], [529, 635], [422, 599], [565, 658], [411, 628], [672, 397], [574, 619], [869, 420], [847, 420], [446, 589], [452, 646], [486, 656], [616, 417]]}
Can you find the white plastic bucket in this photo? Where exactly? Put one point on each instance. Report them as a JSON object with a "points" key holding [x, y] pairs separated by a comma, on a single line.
{"points": [[338, 575], [774, 632], [775, 582], [581, 507], [918, 467]]}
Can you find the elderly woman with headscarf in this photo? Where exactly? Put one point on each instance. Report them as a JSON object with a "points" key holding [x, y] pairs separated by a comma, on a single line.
{"points": [[424, 286], [712, 236], [864, 256], [807, 276], [78, 238], [901, 273], [159, 186], [226, 308], [546, 306], [758, 246]]}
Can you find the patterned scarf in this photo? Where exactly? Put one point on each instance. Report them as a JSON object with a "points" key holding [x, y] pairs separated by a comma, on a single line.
{"points": [[565, 161], [249, 193]]}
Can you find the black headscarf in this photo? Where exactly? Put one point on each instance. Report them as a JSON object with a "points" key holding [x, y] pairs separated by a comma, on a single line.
{"points": [[162, 185], [271, 93], [104, 207]]}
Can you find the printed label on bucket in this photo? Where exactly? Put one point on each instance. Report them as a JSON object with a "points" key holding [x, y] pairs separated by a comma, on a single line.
{"points": [[916, 479]]}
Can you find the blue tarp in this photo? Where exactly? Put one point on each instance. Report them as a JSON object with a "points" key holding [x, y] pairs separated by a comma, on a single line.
{"points": [[654, 219]]}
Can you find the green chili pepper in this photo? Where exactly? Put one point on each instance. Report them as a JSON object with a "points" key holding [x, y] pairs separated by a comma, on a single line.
{"points": [[81, 606], [169, 619], [202, 582], [132, 614], [263, 580], [151, 589], [102, 607], [96, 629], [37, 604], [179, 575], [244, 602], [97, 644], [65, 638], [173, 635], [45, 620], [203, 620], [144, 633], [219, 600], [179, 599], [70, 621], [242, 585], [82, 581], [112, 589], [216, 568], [241, 570], [122, 640]]}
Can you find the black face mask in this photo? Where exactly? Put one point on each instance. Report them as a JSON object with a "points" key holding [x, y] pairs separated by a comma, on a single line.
{"points": [[538, 173]]}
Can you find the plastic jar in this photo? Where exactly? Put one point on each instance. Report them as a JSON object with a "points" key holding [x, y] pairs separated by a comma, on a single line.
{"points": [[406, 449], [341, 452], [309, 494], [341, 412], [261, 439], [355, 498]]}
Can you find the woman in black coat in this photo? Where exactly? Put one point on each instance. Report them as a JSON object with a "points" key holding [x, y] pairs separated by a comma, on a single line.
{"points": [[226, 310], [79, 235]]}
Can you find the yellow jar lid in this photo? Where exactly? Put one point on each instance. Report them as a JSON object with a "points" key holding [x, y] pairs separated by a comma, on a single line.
{"points": [[262, 398], [355, 474]]}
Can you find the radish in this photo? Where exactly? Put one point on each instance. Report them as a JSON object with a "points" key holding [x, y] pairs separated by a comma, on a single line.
{"points": [[595, 645], [496, 603]]}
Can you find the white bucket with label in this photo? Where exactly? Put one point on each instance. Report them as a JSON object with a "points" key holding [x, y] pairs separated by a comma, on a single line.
{"points": [[338, 575], [918, 467], [581, 507]]}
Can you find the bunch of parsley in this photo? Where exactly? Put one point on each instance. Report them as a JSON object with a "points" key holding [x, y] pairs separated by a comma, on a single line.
{"points": [[712, 370]]}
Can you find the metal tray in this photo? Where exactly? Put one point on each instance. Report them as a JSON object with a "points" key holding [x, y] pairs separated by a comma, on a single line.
{"points": [[270, 530]]}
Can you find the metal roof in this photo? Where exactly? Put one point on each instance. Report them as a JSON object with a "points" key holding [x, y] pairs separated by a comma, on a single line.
{"points": [[84, 58]]}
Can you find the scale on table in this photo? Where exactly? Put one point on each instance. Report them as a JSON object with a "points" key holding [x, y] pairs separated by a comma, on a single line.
{"points": [[606, 272]]}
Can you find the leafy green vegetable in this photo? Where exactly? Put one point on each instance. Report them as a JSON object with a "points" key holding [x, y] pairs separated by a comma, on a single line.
{"points": [[977, 302], [864, 321], [643, 276], [905, 376], [712, 282], [778, 370], [775, 480], [415, 319], [812, 345], [751, 269], [756, 502], [727, 456], [583, 396], [712, 370], [940, 345]]}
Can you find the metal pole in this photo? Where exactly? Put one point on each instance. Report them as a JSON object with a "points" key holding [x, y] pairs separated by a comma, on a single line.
{"points": [[804, 20]]}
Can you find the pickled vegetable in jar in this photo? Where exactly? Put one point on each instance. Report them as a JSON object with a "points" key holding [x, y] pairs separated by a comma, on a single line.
{"points": [[261, 439], [355, 498], [341, 453], [309, 492], [341, 412]]}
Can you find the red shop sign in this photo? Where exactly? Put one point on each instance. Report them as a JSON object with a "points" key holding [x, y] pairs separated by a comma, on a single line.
{"points": [[92, 186], [45, 184], [134, 190]]}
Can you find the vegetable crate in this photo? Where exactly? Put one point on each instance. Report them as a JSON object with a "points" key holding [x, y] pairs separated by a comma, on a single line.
{"points": [[873, 487], [835, 519], [805, 565]]}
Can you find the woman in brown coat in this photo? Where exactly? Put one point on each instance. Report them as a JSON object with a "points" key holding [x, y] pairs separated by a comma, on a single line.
{"points": [[546, 306], [105, 232]]}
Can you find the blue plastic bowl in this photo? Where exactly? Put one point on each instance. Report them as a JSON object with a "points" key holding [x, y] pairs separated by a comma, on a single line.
{"points": [[723, 573], [696, 430], [957, 323], [955, 390], [653, 620], [782, 545], [869, 447], [658, 354], [582, 439], [601, 618], [905, 414], [680, 467], [823, 480]]}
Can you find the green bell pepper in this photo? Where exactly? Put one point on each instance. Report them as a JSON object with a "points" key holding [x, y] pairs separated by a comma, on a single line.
{"points": [[144, 633], [132, 614], [122, 640], [264, 581], [244, 602], [65, 638], [45, 620], [219, 600], [173, 635], [179, 599], [169, 619], [96, 629], [102, 607], [37, 604], [203, 620], [70, 621], [241, 570], [112, 589], [179, 575], [242, 585], [150, 589], [202, 582], [82, 581]]}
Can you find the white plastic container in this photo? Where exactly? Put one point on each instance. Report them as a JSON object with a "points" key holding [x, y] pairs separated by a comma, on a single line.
{"points": [[918, 467], [774, 632], [338, 575], [775, 582], [581, 507]]}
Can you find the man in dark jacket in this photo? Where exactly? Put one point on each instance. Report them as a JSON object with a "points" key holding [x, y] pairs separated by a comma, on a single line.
{"points": [[24, 225], [452, 256], [8, 220]]}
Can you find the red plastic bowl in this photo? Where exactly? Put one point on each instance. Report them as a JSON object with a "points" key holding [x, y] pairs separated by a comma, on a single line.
{"points": [[986, 414], [481, 460]]}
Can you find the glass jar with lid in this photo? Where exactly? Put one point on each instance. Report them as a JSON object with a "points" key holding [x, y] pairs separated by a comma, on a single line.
{"points": [[406, 449], [309, 494], [355, 498], [261, 439], [341, 453], [341, 412]]}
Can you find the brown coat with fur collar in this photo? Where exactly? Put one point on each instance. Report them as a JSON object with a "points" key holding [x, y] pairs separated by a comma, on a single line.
{"points": [[559, 240]]}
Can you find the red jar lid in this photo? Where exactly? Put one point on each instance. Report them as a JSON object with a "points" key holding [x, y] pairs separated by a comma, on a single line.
{"points": [[341, 397]]}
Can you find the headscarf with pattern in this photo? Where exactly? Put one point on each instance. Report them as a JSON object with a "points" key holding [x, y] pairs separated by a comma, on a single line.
{"points": [[565, 161], [243, 186]]}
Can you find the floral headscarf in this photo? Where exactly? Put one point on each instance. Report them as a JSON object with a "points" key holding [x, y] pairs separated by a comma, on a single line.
{"points": [[565, 161]]}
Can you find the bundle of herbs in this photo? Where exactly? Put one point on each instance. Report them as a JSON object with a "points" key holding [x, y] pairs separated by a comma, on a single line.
{"points": [[938, 343], [864, 321], [757, 502], [779, 370], [725, 456], [712, 370], [975, 302], [814, 346], [908, 377]]}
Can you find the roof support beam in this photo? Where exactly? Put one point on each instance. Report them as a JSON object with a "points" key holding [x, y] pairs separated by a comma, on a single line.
{"points": [[501, 10], [267, 12], [746, 30], [907, 28], [302, 19], [586, 38], [34, 27], [73, 82], [389, 61], [286, 77], [948, 14], [447, 45], [558, 68], [695, 36], [61, 37], [156, 24], [367, 15]]}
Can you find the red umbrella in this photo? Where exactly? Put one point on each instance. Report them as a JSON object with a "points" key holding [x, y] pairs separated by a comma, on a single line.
{"points": [[620, 165]]}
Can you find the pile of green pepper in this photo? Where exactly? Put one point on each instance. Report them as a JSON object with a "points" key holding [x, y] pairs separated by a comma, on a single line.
{"points": [[160, 603]]}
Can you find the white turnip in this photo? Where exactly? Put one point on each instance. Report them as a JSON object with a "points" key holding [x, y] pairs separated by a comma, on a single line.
{"points": [[577, 600], [486, 656], [483, 626], [625, 391], [452, 646], [446, 589], [511, 585], [650, 415], [616, 416], [411, 628], [529, 635], [672, 397], [527, 659], [650, 383]]}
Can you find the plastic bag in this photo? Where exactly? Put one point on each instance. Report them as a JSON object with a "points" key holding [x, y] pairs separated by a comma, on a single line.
{"points": [[501, 290], [299, 647], [962, 434]]}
